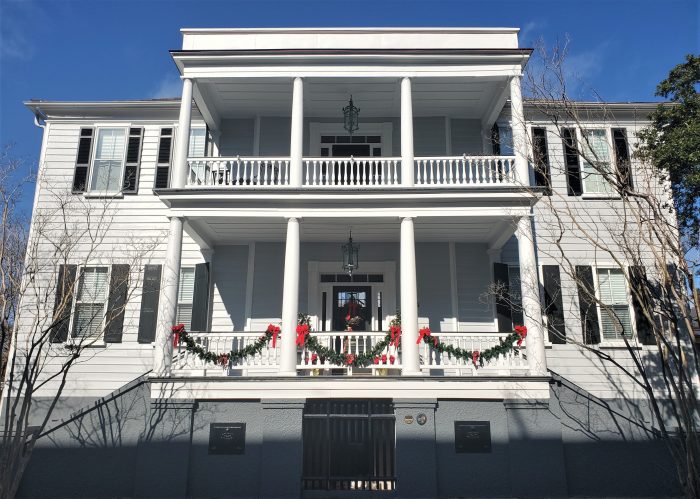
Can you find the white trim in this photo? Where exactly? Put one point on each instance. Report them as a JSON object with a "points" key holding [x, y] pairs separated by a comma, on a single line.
{"points": [[633, 322], [250, 280], [78, 275], [97, 127]]}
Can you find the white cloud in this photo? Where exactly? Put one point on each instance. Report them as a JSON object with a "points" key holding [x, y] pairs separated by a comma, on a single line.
{"points": [[530, 32], [169, 86], [17, 21]]}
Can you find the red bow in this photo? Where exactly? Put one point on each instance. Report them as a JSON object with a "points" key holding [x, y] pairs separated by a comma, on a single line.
{"points": [[423, 333], [349, 359], [302, 331], [177, 330], [522, 332], [395, 332], [384, 359], [275, 331], [392, 359], [223, 359], [475, 357]]}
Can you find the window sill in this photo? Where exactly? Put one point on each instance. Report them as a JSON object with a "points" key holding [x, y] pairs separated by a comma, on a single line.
{"points": [[618, 345], [600, 197], [104, 195]]}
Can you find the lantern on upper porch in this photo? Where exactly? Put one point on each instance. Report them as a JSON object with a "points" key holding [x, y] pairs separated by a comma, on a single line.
{"points": [[350, 256], [351, 117]]}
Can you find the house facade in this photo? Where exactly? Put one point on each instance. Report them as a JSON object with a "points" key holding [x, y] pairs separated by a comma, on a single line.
{"points": [[351, 176]]}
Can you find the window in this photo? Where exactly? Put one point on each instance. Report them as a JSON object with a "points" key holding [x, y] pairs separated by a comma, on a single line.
{"points": [[90, 302], [596, 159], [614, 311], [109, 160], [502, 140], [185, 296], [515, 295], [198, 142], [540, 158]]}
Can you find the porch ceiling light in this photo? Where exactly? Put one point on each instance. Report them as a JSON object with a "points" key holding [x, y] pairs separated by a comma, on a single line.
{"points": [[351, 121], [350, 256]]}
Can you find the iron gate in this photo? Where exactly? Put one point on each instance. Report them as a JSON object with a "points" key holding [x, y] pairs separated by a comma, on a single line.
{"points": [[349, 445]]}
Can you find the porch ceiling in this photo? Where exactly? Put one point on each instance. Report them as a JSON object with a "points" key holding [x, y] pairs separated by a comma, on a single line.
{"points": [[467, 97], [220, 231]]}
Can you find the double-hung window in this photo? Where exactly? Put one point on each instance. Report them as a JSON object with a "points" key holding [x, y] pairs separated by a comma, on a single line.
{"points": [[185, 297], [198, 142], [595, 151], [614, 304], [90, 302], [108, 161], [515, 295]]}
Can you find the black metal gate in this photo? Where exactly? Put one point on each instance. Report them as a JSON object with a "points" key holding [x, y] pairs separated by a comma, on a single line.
{"points": [[349, 445]]}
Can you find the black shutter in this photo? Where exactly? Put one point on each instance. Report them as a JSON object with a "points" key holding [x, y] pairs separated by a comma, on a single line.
{"points": [[64, 303], [82, 161], [553, 304], [503, 309], [495, 140], [149, 303], [133, 160], [118, 288], [640, 285], [573, 168], [587, 304], [165, 151], [541, 159], [200, 298], [622, 157]]}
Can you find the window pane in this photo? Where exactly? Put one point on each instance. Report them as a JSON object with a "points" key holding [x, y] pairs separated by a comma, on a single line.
{"points": [[93, 284], [186, 290], [595, 149], [109, 155], [197, 142], [615, 313], [184, 315], [505, 138], [88, 320]]}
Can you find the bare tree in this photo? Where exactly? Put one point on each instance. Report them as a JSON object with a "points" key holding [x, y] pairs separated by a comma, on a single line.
{"points": [[642, 240], [40, 288]]}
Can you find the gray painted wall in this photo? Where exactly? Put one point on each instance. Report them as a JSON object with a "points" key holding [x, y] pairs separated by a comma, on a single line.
{"points": [[466, 137], [474, 275], [229, 275], [237, 137]]}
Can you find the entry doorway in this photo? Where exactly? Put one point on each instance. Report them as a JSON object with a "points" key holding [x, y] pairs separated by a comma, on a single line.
{"points": [[352, 305]]}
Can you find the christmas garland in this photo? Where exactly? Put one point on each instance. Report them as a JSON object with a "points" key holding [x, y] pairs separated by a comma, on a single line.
{"points": [[373, 356]]}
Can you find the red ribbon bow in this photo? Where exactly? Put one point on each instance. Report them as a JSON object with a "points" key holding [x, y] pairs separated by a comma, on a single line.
{"points": [[522, 332], [302, 331], [349, 359], [392, 359], [275, 331], [475, 357], [423, 333], [177, 330], [395, 335], [223, 359]]}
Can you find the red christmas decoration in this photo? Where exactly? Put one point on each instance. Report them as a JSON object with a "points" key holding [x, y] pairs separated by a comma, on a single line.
{"points": [[475, 357], [302, 331], [522, 332], [395, 335], [384, 359], [349, 359], [423, 333], [314, 358], [223, 359], [376, 360], [177, 330], [275, 331], [392, 359]]}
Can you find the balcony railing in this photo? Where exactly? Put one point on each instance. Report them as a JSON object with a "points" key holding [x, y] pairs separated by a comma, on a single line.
{"points": [[350, 173], [356, 342]]}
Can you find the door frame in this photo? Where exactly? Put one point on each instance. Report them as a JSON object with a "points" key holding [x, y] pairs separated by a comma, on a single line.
{"points": [[316, 288], [383, 129]]}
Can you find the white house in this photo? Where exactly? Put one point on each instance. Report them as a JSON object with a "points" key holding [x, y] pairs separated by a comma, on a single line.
{"points": [[416, 143]]}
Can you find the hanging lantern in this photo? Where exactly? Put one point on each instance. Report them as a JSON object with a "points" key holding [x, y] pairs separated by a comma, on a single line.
{"points": [[351, 121], [350, 256]]}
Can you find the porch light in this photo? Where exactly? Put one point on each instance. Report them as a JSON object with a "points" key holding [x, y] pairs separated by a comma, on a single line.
{"points": [[350, 256], [351, 114]]}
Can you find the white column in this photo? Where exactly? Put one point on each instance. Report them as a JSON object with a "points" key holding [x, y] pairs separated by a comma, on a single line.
{"points": [[297, 140], [530, 291], [290, 301], [409, 300], [519, 132], [406, 134], [182, 143], [167, 302]]}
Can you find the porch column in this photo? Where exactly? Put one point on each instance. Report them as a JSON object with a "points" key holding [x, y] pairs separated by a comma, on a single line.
{"points": [[530, 291], [290, 301], [167, 302], [182, 143], [409, 300], [517, 123], [406, 133], [297, 140]]}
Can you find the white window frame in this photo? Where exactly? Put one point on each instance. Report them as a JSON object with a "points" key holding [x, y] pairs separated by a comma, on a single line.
{"points": [[189, 140], [580, 131], [71, 337], [180, 303], [98, 128], [617, 342]]}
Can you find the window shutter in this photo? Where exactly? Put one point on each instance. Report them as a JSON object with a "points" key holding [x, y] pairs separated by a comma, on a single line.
{"points": [[165, 150], [82, 162], [495, 140], [503, 309], [553, 304], [133, 161], [63, 305], [200, 298], [541, 159], [148, 317], [622, 157], [587, 304], [638, 282], [571, 160], [116, 302]]}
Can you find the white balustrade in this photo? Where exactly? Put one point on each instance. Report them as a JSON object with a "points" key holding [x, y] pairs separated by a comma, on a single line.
{"points": [[237, 172], [351, 172], [349, 343], [465, 170]]}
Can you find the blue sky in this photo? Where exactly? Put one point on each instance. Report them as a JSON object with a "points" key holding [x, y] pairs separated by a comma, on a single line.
{"points": [[103, 49]]}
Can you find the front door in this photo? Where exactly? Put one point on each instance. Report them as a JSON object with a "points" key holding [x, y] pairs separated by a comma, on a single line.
{"points": [[352, 305]]}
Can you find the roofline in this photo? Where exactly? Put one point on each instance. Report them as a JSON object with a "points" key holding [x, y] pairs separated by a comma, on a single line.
{"points": [[351, 52], [434, 29]]}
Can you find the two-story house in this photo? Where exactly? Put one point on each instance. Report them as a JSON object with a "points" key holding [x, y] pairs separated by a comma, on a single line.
{"points": [[347, 175]]}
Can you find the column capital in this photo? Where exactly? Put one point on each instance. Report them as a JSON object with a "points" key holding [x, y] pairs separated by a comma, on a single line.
{"points": [[408, 218]]}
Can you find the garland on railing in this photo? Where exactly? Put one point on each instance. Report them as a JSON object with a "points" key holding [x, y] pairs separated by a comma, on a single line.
{"points": [[373, 356]]}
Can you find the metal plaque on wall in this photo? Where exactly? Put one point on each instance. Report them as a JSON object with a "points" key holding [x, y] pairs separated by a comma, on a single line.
{"points": [[472, 436], [227, 438]]}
